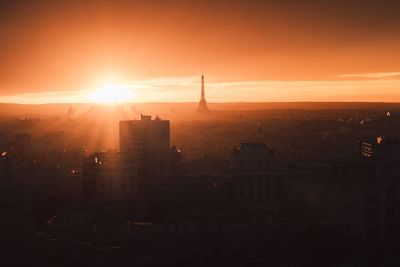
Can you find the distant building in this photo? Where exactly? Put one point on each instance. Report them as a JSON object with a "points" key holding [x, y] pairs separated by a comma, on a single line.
{"points": [[393, 114], [252, 178], [54, 140], [381, 148], [3, 176], [70, 112], [63, 159], [202, 107], [22, 144], [3, 142], [108, 177], [363, 194]]}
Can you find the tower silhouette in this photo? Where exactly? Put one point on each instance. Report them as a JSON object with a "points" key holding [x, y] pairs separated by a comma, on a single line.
{"points": [[202, 107], [70, 112]]}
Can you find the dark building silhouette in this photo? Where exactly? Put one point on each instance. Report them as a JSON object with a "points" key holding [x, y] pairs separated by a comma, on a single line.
{"points": [[323, 194], [22, 144], [147, 143], [202, 107], [363, 195], [3, 142], [144, 165], [253, 180]]}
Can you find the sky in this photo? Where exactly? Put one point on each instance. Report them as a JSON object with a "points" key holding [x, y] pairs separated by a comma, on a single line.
{"points": [[299, 50]]}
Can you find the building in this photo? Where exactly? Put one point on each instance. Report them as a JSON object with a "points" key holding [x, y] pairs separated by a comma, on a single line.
{"points": [[70, 112], [202, 107], [146, 143], [108, 177], [144, 165], [253, 178], [3, 142], [381, 148], [22, 144], [146, 132], [364, 193]]}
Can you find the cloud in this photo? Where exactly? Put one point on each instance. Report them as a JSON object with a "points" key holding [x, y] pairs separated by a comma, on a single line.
{"points": [[371, 75]]}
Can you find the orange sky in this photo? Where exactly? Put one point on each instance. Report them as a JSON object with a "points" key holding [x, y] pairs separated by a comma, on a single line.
{"points": [[60, 51]]}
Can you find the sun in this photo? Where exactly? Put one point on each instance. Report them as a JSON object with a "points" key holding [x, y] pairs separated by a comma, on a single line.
{"points": [[110, 93]]}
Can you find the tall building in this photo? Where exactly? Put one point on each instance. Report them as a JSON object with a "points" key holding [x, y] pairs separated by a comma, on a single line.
{"points": [[202, 107], [144, 166], [147, 143], [135, 135]]}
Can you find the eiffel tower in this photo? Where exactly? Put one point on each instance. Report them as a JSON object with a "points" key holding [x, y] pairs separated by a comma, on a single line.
{"points": [[202, 107]]}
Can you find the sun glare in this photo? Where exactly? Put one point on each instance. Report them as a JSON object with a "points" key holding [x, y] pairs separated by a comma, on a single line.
{"points": [[112, 93]]}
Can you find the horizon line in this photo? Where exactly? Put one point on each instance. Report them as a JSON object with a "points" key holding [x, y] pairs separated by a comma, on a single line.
{"points": [[187, 102]]}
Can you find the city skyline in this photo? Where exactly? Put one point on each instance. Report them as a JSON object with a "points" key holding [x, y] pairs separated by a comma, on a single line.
{"points": [[200, 133]]}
